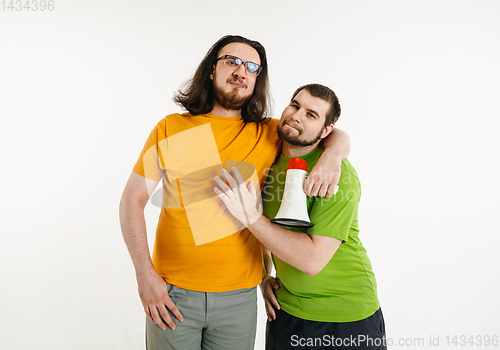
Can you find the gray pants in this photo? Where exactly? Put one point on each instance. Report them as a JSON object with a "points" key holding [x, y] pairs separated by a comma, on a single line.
{"points": [[212, 321]]}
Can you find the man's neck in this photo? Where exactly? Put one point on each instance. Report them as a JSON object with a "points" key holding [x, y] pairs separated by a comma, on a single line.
{"points": [[297, 151], [222, 112]]}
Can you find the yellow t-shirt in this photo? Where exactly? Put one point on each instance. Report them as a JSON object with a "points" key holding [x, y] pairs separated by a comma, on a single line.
{"points": [[199, 245]]}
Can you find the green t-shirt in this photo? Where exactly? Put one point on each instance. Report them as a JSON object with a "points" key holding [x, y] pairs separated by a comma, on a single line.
{"points": [[345, 290]]}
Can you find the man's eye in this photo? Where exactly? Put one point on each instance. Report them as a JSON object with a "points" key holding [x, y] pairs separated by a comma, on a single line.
{"points": [[231, 62], [311, 115]]}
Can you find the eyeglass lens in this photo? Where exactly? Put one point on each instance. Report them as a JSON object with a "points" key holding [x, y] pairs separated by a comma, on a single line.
{"points": [[251, 68]]}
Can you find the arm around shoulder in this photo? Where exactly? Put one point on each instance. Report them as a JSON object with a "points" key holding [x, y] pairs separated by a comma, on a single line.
{"points": [[326, 172], [338, 144]]}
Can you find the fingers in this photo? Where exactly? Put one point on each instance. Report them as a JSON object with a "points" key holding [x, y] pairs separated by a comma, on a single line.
{"points": [[270, 295], [268, 285], [238, 176], [269, 317], [325, 191], [222, 184], [148, 313], [332, 190], [322, 189], [226, 190], [271, 314], [160, 315], [224, 197], [251, 189], [311, 187], [334, 187], [221, 195], [230, 179], [173, 309], [274, 301], [155, 315], [153, 291]]}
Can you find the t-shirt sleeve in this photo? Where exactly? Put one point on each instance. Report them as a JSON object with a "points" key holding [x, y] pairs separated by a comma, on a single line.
{"points": [[332, 217], [148, 163]]}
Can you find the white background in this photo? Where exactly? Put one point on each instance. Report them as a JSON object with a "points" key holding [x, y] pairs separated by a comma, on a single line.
{"points": [[82, 86]]}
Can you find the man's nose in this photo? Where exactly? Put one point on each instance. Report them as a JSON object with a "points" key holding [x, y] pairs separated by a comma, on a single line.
{"points": [[240, 71], [297, 115]]}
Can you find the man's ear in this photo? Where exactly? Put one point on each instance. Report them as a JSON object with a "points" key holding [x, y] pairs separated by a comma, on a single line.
{"points": [[212, 74], [328, 129]]}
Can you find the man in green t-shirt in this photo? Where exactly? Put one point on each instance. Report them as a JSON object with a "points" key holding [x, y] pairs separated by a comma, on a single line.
{"points": [[325, 294]]}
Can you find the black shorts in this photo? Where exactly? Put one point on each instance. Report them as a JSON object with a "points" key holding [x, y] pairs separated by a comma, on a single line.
{"points": [[290, 332]]}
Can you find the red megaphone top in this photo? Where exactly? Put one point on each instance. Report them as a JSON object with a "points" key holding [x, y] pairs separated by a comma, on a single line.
{"points": [[297, 163]]}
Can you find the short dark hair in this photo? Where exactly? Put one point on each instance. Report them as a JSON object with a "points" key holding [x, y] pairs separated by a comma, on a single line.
{"points": [[324, 93], [197, 95]]}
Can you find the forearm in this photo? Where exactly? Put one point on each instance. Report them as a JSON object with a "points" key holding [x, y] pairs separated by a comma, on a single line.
{"points": [[325, 174], [337, 145], [294, 248], [134, 234]]}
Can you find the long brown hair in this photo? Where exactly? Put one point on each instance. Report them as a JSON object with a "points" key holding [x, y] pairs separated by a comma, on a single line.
{"points": [[197, 94]]}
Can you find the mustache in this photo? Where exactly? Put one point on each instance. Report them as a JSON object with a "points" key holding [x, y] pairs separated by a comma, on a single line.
{"points": [[236, 79]]}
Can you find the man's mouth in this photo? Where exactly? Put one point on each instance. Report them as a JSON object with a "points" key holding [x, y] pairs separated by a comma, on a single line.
{"points": [[293, 127], [237, 84]]}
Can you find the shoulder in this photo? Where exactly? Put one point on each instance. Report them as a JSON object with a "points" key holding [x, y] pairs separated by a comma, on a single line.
{"points": [[349, 180], [176, 122], [272, 122], [168, 117], [347, 168], [269, 124], [270, 127], [174, 117]]}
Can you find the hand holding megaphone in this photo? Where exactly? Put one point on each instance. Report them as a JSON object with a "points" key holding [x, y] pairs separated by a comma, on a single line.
{"points": [[240, 200]]}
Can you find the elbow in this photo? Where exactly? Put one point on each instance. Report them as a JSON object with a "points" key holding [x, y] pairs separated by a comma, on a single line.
{"points": [[314, 266], [312, 269], [131, 202], [312, 272], [317, 259]]}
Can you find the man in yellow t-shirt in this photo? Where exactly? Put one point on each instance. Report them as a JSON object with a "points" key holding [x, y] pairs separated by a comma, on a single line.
{"points": [[198, 289]]}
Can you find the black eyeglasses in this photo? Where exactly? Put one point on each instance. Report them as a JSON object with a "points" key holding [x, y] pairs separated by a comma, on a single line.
{"points": [[235, 62]]}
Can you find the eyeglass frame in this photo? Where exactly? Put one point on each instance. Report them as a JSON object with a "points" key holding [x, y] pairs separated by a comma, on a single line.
{"points": [[256, 73]]}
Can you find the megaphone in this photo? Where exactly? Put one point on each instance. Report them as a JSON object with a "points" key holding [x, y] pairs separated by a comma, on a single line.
{"points": [[293, 208]]}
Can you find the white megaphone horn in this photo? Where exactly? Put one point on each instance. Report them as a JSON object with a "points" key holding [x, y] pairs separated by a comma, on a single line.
{"points": [[293, 209]]}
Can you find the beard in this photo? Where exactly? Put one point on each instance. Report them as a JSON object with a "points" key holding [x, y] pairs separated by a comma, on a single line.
{"points": [[295, 139], [229, 100]]}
